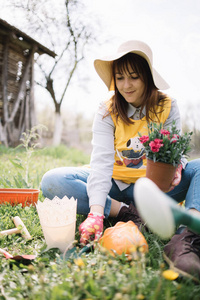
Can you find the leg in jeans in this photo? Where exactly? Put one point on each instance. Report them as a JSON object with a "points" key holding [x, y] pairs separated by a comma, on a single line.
{"points": [[69, 181], [72, 182], [189, 187]]}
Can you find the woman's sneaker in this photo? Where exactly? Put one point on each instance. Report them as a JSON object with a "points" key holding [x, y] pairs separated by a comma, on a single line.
{"points": [[182, 253], [130, 213]]}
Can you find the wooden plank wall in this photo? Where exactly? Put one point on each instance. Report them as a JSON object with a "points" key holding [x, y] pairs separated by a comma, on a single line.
{"points": [[18, 83], [1, 88]]}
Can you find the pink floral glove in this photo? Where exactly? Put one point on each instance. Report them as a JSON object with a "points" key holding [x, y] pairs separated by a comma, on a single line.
{"points": [[91, 228], [177, 177]]}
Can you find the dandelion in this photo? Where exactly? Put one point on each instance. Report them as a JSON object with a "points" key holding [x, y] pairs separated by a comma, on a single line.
{"points": [[140, 297], [170, 274], [79, 262]]}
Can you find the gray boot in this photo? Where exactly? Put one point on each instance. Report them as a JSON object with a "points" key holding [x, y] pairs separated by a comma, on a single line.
{"points": [[182, 253]]}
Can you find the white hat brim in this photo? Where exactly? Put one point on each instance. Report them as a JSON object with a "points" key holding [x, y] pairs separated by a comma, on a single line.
{"points": [[103, 68]]}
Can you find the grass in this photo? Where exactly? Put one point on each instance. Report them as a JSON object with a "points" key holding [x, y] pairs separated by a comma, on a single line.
{"points": [[96, 275]]}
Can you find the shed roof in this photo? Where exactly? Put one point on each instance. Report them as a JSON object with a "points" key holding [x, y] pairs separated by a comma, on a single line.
{"points": [[22, 38]]}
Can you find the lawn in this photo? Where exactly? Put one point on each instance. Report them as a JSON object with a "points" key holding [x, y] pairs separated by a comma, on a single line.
{"points": [[96, 275]]}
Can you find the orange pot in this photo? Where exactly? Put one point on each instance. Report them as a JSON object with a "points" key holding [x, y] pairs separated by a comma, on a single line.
{"points": [[123, 238], [17, 196], [160, 173]]}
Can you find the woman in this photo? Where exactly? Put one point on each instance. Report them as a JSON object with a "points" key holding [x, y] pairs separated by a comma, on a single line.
{"points": [[118, 159]]}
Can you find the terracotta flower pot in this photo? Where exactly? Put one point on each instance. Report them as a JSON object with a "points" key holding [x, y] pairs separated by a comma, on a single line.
{"points": [[26, 197], [160, 173]]}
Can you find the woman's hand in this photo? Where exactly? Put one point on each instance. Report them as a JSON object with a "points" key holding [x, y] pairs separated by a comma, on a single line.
{"points": [[177, 178], [91, 229]]}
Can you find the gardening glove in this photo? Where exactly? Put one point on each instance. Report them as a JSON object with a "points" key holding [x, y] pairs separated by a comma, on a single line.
{"points": [[177, 178], [91, 229]]}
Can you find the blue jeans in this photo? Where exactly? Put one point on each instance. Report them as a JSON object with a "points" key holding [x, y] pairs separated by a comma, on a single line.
{"points": [[72, 181]]}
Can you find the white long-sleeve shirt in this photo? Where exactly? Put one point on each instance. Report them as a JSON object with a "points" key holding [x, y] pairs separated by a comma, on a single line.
{"points": [[102, 157]]}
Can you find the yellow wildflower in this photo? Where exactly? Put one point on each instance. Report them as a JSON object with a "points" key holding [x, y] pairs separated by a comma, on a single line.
{"points": [[79, 262], [140, 297], [170, 274]]}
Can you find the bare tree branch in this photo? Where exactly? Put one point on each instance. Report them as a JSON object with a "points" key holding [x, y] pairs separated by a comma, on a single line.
{"points": [[62, 26], [59, 58]]}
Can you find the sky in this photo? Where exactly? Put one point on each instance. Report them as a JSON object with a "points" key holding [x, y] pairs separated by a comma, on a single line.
{"points": [[170, 27]]}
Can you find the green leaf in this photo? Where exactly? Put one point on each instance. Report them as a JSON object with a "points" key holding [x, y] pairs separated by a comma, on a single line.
{"points": [[17, 163]]}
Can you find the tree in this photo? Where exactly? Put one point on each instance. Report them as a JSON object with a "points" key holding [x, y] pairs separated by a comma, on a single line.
{"points": [[191, 122], [67, 30]]}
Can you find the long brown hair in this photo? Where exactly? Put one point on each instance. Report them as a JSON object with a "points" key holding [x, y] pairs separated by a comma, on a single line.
{"points": [[151, 97]]}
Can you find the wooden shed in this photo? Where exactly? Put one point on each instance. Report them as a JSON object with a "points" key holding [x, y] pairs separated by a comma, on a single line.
{"points": [[17, 113]]}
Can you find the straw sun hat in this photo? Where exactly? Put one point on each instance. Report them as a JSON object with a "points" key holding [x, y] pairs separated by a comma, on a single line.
{"points": [[103, 66]]}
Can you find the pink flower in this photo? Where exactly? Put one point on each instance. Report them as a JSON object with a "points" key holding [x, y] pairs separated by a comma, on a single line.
{"points": [[164, 132], [175, 138], [158, 141], [143, 139], [154, 146]]}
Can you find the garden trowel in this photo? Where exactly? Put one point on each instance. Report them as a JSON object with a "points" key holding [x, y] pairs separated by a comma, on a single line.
{"points": [[76, 252], [160, 212], [22, 258]]}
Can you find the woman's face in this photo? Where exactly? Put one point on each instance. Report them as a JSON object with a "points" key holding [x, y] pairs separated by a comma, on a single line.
{"points": [[130, 86]]}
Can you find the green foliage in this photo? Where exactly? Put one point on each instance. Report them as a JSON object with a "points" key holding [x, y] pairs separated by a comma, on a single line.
{"points": [[72, 155], [23, 170], [166, 146], [98, 276]]}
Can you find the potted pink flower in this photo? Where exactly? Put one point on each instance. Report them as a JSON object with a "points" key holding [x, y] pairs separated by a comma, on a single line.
{"points": [[164, 150]]}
